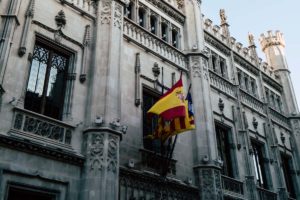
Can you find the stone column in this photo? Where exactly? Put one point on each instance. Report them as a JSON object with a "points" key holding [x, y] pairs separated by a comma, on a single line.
{"points": [[206, 166], [100, 177], [101, 170]]}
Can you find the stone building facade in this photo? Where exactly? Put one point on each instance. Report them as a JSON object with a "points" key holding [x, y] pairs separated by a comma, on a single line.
{"points": [[76, 80]]}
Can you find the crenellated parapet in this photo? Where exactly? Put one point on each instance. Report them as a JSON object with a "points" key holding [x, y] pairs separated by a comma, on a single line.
{"points": [[271, 39]]}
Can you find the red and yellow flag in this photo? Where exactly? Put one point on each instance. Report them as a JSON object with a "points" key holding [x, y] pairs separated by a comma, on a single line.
{"points": [[171, 104]]}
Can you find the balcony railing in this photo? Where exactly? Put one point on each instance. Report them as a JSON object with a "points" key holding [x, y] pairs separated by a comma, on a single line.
{"points": [[232, 187], [137, 34], [278, 117], [264, 194], [221, 84], [84, 6], [252, 102], [145, 186], [42, 128], [156, 162]]}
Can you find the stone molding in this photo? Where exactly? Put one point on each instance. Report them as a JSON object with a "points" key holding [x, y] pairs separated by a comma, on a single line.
{"points": [[215, 43], [55, 31], [28, 146], [169, 10]]}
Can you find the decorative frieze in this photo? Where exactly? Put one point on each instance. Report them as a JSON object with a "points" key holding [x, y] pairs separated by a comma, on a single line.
{"points": [[30, 124], [118, 17]]}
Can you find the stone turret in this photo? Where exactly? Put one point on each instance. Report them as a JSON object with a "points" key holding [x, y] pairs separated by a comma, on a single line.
{"points": [[273, 45]]}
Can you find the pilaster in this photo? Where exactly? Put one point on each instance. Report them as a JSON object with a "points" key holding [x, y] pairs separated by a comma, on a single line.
{"points": [[7, 28], [104, 73], [100, 177]]}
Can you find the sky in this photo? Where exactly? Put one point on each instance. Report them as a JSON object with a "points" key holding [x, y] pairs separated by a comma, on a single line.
{"points": [[259, 16]]}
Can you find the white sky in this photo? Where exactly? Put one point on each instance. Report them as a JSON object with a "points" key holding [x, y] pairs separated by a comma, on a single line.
{"points": [[259, 16]]}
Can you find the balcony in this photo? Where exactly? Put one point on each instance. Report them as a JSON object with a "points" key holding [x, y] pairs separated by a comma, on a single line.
{"points": [[83, 6], [153, 44], [41, 128], [144, 186], [279, 117], [264, 194], [252, 102], [232, 187], [156, 162], [222, 85]]}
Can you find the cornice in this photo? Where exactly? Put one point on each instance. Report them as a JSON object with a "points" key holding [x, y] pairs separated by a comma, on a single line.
{"points": [[169, 10], [216, 43], [245, 64], [28, 146], [271, 82]]}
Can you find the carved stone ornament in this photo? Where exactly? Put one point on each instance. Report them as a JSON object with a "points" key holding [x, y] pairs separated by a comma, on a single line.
{"points": [[221, 105], [195, 67], [180, 4], [96, 152], [254, 123], [112, 159], [105, 13], [223, 16], [118, 16], [156, 70], [60, 19]]}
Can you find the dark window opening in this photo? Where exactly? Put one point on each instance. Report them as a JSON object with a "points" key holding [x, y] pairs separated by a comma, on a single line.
{"points": [[258, 159], [279, 105], [240, 78], [164, 32], [153, 25], [142, 18], [287, 168], [272, 100], [175, 38], [214, 63], [47, 81], [149, 125], [15, 193], [246, 82], [128, 11], [223, 145], [253, 87], [267, 95]]}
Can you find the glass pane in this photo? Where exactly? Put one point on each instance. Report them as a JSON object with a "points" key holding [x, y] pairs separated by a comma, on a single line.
{"points": [[56, 85]]}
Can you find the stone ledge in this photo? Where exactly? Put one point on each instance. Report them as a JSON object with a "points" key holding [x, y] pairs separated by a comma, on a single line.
{"points": [[28, 146]]}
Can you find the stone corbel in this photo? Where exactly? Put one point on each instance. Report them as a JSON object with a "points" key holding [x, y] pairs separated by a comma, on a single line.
{"points": [[137, 71], [85, 53], [28, 18]]}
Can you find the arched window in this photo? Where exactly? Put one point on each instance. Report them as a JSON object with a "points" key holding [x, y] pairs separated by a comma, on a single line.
{"points": [[142, 17], [153, 24]]}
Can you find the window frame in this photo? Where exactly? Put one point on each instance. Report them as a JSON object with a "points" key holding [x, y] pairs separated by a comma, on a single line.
{"points": [[69, 78], [286, 162]]}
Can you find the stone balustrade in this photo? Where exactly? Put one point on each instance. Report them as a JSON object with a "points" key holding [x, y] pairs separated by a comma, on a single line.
{"points": [[140, 36], [142, 185], [252, 102], [278, 117], [84, 6], [264, 194], [157, 162], [232, 187], [42, 128], [221, 84]]}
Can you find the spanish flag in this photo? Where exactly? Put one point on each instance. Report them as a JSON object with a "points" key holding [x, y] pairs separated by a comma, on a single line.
{"points": [[171, 104], [167, 129]]}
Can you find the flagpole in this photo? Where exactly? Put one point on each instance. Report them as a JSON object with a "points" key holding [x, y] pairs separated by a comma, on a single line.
{"points": [[162, 93]]}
